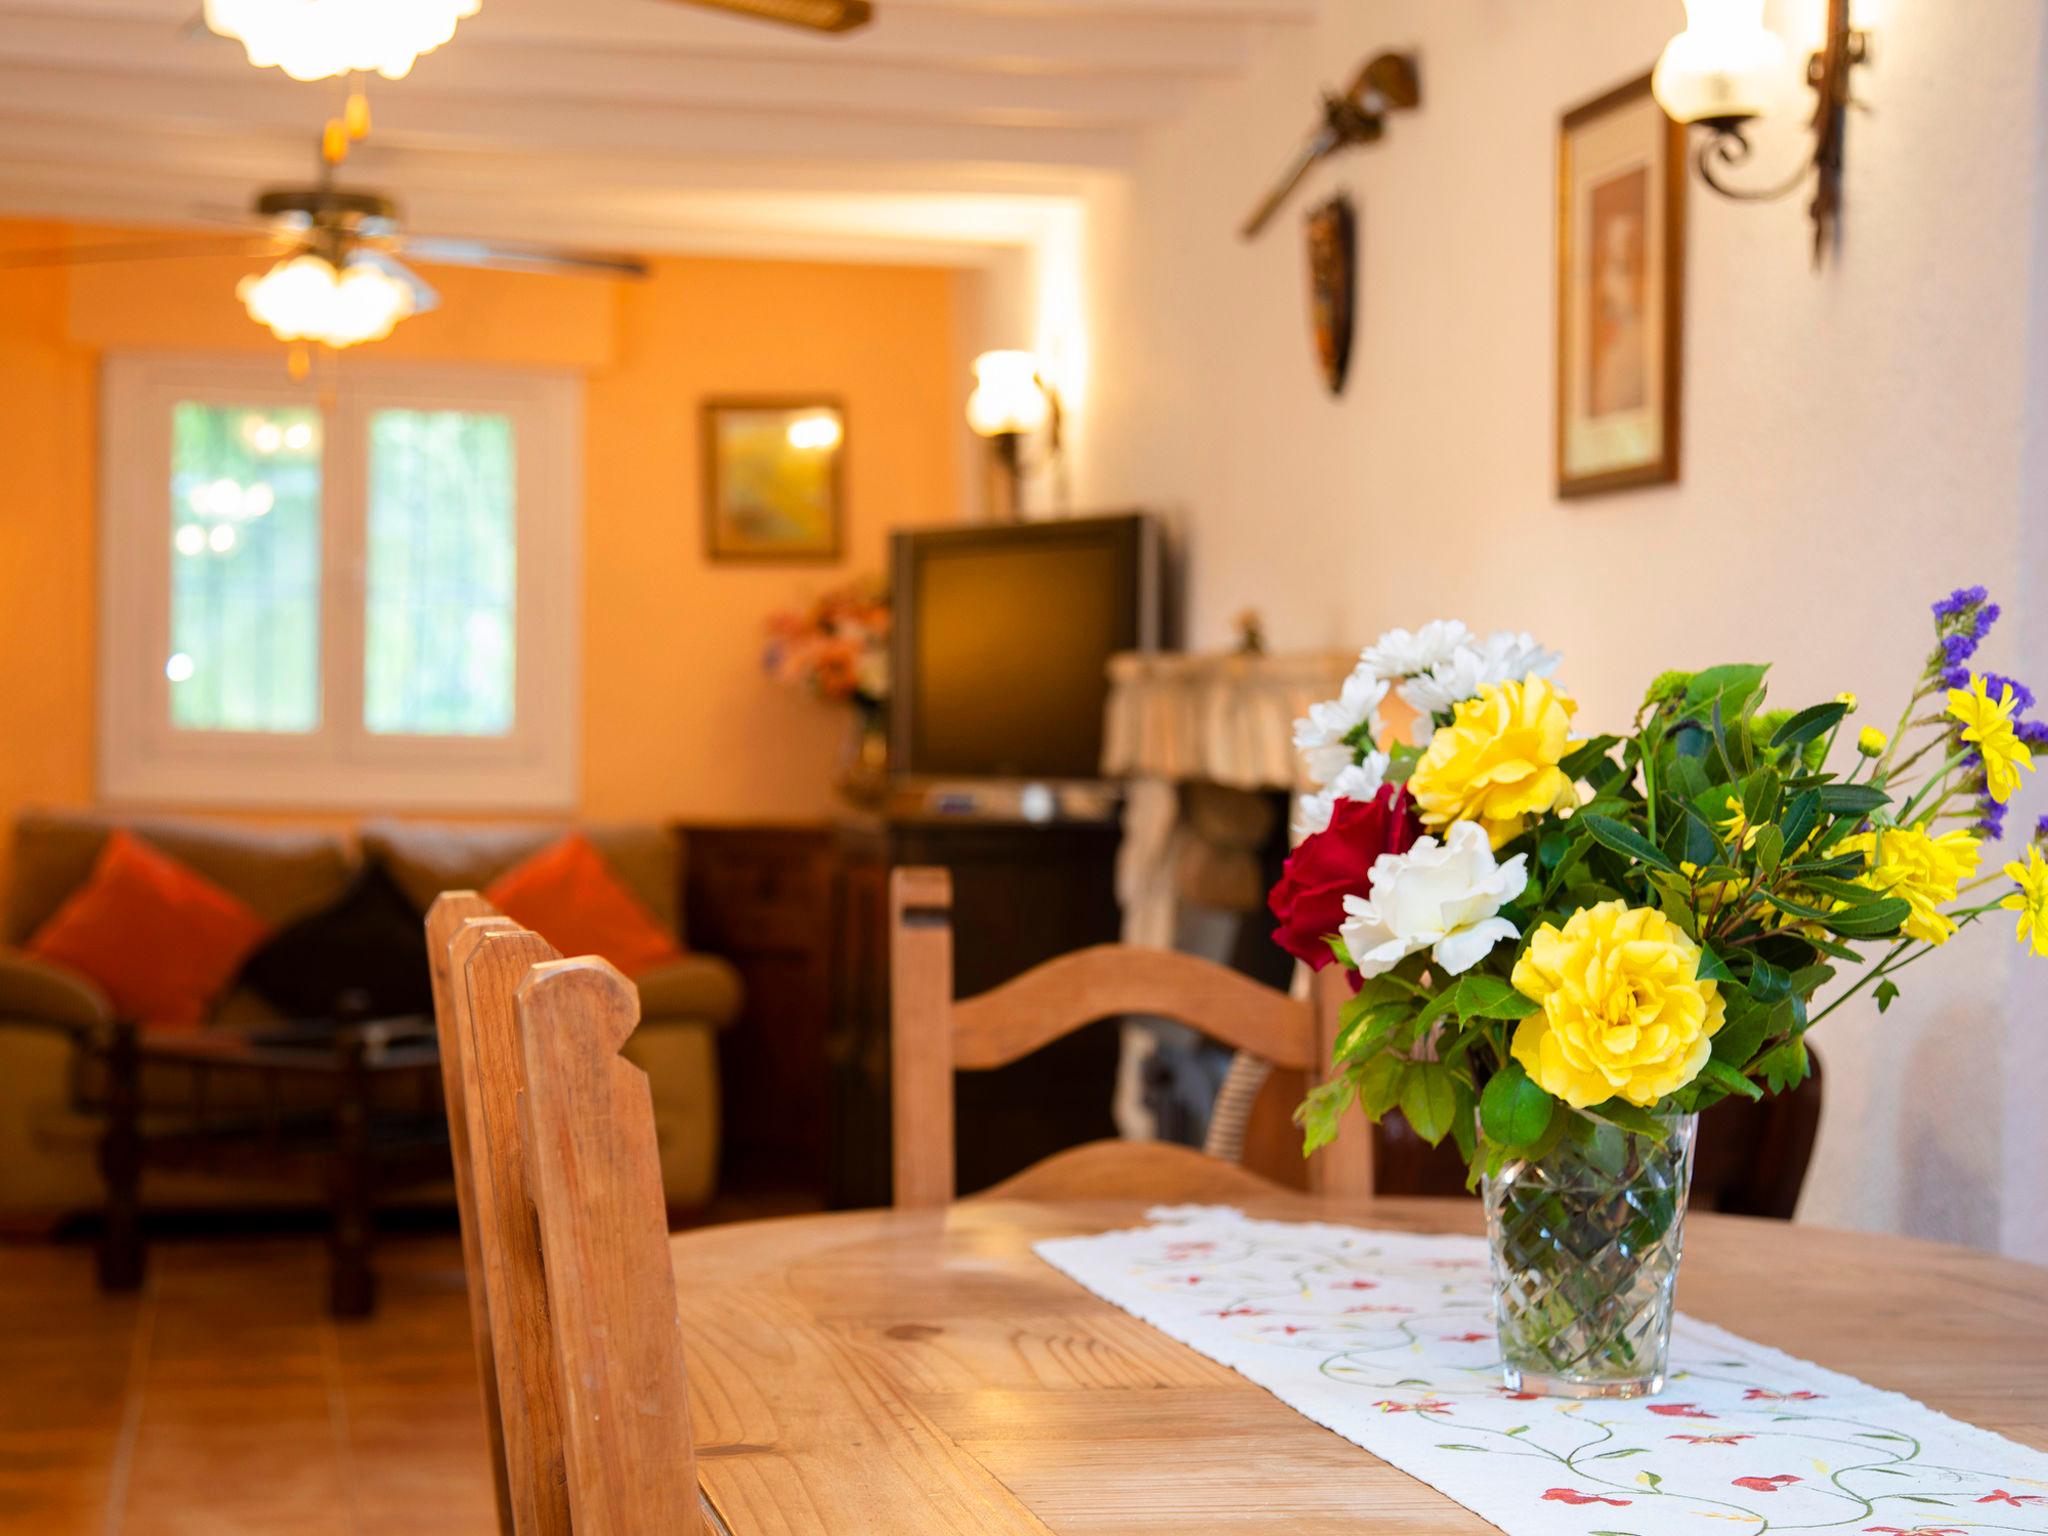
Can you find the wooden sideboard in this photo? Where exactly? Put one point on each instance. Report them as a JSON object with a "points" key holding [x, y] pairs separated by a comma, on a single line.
{"points": [[802, 911]]}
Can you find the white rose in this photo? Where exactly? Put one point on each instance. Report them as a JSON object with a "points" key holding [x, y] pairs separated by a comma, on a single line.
{"points": [[1398, 654], [1360, 781], [1501, 657], [1320, 735], [1442, 897]]}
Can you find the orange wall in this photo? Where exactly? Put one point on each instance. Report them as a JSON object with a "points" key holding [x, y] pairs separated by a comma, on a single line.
{"points": [[678, 719]]}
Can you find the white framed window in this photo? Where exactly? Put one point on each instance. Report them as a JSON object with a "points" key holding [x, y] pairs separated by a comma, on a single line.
{"points": [[364, 591]]}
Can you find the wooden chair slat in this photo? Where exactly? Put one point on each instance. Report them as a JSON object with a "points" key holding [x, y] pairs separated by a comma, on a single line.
{"points": [[487, 963], [451, 912], [1113, 980], [594, 1167], [933, 1035]]}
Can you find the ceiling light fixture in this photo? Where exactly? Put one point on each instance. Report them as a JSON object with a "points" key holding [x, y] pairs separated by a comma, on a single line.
{"points": [[1718, 73], [308, 298], [318, 39]]}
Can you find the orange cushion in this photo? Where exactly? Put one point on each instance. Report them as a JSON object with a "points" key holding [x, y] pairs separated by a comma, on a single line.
{"points": [[568, 895], [162, 941]]}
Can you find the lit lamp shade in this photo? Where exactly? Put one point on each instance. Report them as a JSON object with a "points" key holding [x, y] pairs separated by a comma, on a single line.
{"points": [[308, 299], [1725, 65], [317, 39], [1008, 396]]}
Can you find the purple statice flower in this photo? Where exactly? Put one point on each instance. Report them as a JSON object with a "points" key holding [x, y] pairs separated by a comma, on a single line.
{"points": [[2022, 696], [1959, 602], [1955, 677], [2033, 734], [1990, 819], [2041, 830]]}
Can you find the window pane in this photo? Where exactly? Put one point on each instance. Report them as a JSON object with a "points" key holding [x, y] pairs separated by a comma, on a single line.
{"points": [[442, 574], [245, 569]]}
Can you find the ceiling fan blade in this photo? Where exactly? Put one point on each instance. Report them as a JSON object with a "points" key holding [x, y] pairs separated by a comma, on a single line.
{"points": [[424, 297], [508, 256], [815, 15], [252, 246]]}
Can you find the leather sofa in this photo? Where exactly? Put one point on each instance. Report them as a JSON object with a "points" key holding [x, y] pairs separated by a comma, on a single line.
{"points": [[48, 1131]]}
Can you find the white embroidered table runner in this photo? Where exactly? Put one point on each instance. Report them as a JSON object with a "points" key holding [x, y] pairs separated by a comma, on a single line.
{"points": [[1387, 1339]]}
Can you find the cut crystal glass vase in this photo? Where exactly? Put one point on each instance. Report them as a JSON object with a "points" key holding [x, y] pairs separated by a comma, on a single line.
{"points": [[1586, 1241]]}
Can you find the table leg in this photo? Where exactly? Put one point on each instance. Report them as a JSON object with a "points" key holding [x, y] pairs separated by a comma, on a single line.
{"points": [[352, 1284], [121, 1255]]}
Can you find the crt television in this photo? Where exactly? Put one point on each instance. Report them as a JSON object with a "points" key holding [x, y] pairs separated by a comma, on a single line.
{"points": [[1003, 639]]}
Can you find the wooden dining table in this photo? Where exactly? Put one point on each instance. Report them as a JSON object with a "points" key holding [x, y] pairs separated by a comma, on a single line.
{"points": [[910, 1372]]}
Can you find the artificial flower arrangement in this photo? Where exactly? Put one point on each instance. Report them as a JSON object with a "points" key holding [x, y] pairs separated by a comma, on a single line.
{"points": [[1564, 948], [836, 647]]}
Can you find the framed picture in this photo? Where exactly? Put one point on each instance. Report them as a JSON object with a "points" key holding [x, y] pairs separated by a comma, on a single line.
{"points": [[774, 479], [1621, 182]]}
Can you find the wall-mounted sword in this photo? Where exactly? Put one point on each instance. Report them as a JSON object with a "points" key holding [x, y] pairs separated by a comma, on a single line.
{"points": [[1385, 84]]}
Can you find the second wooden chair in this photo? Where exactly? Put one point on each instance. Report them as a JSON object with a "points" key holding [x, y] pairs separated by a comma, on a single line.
{"points": [[933, 1036]]}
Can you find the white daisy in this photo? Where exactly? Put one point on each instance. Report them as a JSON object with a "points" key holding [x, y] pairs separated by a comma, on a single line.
{"points": [[1320, 735], [1360, 781], [1398, 653]]}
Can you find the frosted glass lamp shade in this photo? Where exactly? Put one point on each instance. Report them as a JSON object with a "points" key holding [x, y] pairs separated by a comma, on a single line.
{"points": [[308, 299], [318, 39], [1008, 395], [1724, 65]]}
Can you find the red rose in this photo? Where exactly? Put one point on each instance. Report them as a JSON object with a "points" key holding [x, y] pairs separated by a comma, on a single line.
{"points": [[1335, 863]]}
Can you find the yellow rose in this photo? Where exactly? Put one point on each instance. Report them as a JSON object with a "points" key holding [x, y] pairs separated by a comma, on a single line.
{"points": [[1624, 1012], [1496, 762], [1920, 869]]}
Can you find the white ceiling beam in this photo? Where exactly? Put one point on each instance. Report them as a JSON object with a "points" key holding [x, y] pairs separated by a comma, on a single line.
{"points": [[587, 73], [627, 130], [1066, 38]]}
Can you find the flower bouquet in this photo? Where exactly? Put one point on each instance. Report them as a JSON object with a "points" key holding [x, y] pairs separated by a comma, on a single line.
{"points": [[1564, 949], [837, 649]]}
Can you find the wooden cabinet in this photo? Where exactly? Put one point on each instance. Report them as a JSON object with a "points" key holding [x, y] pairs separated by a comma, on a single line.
{"points": [[763, 897], [1021, 895], [803, 913]]}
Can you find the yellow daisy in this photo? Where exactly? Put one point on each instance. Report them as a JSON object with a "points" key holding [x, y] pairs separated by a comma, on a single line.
{"points": [[2030, 900], [1987, 723], [1921, 869]]}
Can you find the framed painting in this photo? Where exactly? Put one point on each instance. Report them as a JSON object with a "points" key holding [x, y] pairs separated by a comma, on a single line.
{"points": [[774, 479], [1621, 184]]}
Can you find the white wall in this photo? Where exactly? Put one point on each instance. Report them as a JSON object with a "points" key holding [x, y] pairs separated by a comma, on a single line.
{"points": [[1856, 443]]}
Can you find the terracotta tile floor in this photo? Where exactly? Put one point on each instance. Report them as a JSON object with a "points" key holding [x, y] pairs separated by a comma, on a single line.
{"points": [[223, 1400]]}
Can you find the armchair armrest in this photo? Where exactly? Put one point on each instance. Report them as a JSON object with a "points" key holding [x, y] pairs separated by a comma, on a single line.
{"points": [[34, 991], [701, 987]]}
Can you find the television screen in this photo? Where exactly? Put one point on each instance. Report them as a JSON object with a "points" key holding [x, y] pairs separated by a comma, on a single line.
{"points": [[1004, 637]]}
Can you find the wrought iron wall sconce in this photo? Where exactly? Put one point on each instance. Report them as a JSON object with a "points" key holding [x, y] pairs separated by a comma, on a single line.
{"points": [[1717, 74]]}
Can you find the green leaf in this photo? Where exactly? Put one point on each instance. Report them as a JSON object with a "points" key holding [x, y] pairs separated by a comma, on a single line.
{"points": [[1712, 967], [1814, 720], [1513, 1110], [1784, 1066], [1760, 795], [1627, 841], [1768, 849], [1429, 1099], [1380, 1082], [1727, 1077], [1587, 755], [1626, 1115], [1852, 799], [1879, 919], [1801, 817], [1767, 983], [1364, 1031], [1887, 994], [1489, 997], [1733, 688], [1318, 1114]]}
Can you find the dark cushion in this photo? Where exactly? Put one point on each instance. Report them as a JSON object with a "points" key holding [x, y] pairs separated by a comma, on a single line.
{"points": [[363, 957]]}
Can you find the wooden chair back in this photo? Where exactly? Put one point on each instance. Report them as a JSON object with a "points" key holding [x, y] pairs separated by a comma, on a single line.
{"points": [[933, 1035], [561, 1196]]}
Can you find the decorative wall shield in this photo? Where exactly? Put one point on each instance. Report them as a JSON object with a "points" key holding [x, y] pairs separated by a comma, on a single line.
{"points": [[1333, 279]]}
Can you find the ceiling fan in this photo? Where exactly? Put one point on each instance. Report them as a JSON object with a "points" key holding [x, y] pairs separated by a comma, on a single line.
{"points": [[319, 39], [337, 278]]}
